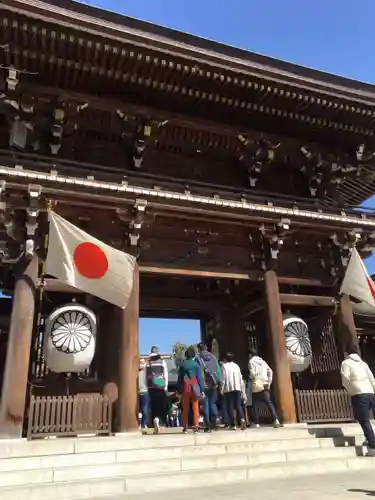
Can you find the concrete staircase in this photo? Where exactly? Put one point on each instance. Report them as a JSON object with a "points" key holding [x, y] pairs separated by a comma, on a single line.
{"points": [[74, 468]]}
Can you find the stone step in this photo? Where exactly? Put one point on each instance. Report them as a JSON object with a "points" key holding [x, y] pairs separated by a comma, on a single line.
{"points": [[110, 466], [66, 446], [177, 465], [201, 478], [81, 489], [170, 452]]}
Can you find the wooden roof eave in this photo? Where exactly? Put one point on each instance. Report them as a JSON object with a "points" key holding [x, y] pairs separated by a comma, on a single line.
{"points": [[185, 201], [70, 14], [195, 122]]}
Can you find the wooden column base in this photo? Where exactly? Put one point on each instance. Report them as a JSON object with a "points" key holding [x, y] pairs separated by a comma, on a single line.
{"points": [[128, 324], [14, 390], [282, 377]]}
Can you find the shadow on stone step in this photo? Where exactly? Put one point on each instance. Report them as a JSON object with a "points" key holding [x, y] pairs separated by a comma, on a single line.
{"points": [[327, 432], [369, 493], [348, 441], [338, 437]]}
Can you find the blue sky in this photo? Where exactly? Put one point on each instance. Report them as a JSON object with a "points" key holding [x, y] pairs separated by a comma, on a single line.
{"points": [[165, 332], [331, 35]]}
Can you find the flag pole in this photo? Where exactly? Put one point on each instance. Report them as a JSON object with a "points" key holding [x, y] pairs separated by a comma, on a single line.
{"points": [[347, 330], [43, 272]]}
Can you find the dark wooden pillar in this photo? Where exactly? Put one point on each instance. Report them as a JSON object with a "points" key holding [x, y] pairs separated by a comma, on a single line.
{"points": [[347, 331], [238, 339], [13, 396], [232, 337], [223, 335], [282, 377], [107, 351], [128, 324]]}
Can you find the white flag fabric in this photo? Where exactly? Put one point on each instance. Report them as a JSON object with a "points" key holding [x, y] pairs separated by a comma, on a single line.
{"points": [[357, 281], [81, 261]]}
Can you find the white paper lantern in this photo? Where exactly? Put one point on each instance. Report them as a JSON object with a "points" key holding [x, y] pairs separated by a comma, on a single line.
{"points": [[70, 339], [297, 342]]}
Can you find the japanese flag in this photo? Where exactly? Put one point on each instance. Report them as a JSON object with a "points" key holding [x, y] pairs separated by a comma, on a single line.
{"points": [[81, 261], [357, 281]]}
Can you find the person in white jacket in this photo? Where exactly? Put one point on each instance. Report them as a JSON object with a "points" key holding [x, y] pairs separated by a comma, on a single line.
{"points": [[260, 375], [359, 382], [234, 391]]}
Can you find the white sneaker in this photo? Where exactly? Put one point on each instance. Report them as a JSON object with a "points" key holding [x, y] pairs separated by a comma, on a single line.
{"points": [[371, 452], [276, 424], [156, 425]]}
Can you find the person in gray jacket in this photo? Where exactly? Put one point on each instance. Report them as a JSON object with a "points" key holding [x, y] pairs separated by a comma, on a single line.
{"points": [[213, 381]]}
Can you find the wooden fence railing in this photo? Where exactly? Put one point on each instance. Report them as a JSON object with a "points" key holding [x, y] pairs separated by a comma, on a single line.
{"points": [[69, 415], [323, 405]]}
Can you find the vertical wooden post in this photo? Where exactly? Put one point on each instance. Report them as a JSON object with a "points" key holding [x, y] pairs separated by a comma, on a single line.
{"points": [[237, 338], [107, 351], [223, 335], [283, 381], [13, 396], [129, 361], [347, 331]]}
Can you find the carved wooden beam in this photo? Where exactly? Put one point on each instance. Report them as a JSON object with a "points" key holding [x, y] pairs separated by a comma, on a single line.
{"points": [[306, 300], [340, 247], [54, 285], [134, 218], [32, 213], [272, 239]]}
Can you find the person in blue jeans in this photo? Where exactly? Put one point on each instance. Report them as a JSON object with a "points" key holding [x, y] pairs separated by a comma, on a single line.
{"points": [[359, 381], [144, 398], [213, 381]]}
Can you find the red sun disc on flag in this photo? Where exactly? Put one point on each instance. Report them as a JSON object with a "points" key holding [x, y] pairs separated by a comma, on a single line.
{"points": [[90, 260], [371, 287]]}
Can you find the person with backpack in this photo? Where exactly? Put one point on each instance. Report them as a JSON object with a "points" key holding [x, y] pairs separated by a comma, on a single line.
{"points": [[213, 381], [144, 398], [157, 382], [191, 387]]}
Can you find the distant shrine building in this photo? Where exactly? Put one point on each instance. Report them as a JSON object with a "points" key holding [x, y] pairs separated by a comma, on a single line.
{"points": [[233, 178]]}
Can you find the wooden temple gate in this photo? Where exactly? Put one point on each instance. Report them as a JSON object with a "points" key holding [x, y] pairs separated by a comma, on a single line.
{"points": [[85, 404], [233, 179]]}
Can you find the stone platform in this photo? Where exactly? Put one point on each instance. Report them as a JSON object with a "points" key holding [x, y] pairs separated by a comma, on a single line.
{"points": [[87, 467], [353, 485]]}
